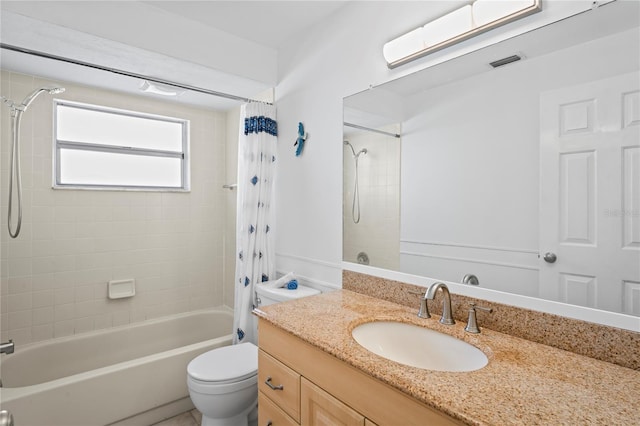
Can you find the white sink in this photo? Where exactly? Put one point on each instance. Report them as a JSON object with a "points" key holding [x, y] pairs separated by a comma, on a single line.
{"points": [[418, 346]]}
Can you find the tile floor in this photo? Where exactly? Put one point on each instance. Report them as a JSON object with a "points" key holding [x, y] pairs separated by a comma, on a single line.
{"points": [[190, 418]]}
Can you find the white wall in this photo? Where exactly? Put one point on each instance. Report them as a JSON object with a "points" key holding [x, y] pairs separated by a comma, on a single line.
{"points": [[340, 57], [54, 275]]}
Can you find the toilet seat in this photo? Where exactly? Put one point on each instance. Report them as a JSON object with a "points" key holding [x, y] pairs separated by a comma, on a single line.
{"points": [[226, 365], [214, 388]]}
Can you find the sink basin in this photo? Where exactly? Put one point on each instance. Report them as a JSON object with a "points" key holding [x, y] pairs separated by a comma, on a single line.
{"points": [[418, 346]]}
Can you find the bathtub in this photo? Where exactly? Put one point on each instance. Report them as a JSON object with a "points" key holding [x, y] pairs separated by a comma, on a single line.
{"points": [[135, 374]]}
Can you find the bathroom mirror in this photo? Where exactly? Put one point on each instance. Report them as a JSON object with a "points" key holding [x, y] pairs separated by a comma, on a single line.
{"points": [[520, 177]]}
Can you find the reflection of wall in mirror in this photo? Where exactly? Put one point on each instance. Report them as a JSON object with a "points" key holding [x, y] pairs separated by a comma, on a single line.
{"points": [[377, 233], [480, 142]]}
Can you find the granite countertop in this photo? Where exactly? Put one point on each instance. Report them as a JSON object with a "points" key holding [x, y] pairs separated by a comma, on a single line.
{"points": [[524, 382]]}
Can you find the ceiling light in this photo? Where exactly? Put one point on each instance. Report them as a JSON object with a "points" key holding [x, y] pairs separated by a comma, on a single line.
{"points": [[459, 25], [159, 89]]}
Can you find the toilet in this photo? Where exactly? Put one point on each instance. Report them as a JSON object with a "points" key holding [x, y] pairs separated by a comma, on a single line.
{"points": [[223, 383]]}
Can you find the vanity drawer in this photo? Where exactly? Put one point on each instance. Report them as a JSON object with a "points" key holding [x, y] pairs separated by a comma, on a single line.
{"points": [[280, 384], [270, 414]]}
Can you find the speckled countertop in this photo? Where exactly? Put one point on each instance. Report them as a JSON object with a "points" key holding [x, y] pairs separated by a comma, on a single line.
{"points": [[524, 382]]}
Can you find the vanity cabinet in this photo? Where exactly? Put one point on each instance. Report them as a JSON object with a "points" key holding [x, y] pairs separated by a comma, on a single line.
{"points": [[301, 384], [319, 408]]}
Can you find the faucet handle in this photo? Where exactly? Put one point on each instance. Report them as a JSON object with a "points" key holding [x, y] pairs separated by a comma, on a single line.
{"points": [[472, 322], [423, 312]]}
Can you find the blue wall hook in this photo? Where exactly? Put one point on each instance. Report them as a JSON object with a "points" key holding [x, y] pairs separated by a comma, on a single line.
{"points": [[302, 137]]}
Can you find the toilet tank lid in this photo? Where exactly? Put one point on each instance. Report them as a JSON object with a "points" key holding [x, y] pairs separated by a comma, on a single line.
{"points": [[284, 293], [229, 363]]}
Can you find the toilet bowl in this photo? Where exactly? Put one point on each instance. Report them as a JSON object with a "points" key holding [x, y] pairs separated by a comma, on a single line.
{"points": [[223, 383]]}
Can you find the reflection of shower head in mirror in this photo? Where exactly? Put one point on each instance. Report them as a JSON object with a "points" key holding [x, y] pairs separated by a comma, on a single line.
{"points": [[347, 143], [353, 151], [355, 208]]}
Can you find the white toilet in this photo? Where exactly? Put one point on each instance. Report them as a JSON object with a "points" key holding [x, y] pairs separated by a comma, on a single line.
{"points": [[223, 383]]}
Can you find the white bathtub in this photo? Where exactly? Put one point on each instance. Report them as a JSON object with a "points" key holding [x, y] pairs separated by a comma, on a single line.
{"points": [[104, 377]]}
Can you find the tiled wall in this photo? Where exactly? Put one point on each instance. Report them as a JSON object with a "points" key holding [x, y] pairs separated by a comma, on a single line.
{"points": [[55, 274], [378, 232], [233, 118]]}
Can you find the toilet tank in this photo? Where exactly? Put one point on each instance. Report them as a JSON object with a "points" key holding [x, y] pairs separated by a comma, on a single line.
{"points": [[268, 296]]}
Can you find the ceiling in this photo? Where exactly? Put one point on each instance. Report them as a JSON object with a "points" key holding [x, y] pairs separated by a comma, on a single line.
{"points": [[270, 23]]}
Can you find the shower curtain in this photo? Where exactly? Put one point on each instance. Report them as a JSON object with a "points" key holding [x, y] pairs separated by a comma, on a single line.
{"points": [[255, 261]]}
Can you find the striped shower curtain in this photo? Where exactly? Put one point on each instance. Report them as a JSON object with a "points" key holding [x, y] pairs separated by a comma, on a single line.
{"points": [[255, 261]]}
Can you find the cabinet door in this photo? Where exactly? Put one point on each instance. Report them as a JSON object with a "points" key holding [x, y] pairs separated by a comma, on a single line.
{"points": [[318, 408]]}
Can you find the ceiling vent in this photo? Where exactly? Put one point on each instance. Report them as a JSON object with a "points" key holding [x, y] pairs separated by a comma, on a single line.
{"points": [[505, 61]]}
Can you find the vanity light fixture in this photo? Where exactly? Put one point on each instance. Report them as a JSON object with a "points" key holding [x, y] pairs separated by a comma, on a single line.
{"points": [[159, 89], [461, 24]]}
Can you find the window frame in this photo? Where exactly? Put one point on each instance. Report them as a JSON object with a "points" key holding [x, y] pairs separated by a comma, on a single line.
{"points": [[59, 144]]}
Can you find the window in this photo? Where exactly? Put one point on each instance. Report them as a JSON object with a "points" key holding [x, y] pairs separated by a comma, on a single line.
{"points": [[100, 147]]}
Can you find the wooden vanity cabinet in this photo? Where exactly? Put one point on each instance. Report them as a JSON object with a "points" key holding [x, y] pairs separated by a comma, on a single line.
{"points": [[319, 408], [319, 389]]}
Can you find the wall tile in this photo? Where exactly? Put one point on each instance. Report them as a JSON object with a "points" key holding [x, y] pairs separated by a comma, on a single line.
{"points": [[63, 328], [64, 312], [54, 277], [43, 316], [42, 332], [20, 319], [64, 296]]}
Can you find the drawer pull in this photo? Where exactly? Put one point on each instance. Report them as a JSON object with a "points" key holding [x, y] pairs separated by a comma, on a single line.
{"points": [[268, 383], [270, 423]]}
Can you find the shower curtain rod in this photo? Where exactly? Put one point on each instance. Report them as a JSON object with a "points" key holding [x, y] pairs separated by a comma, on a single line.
{"points": [[127, 73], [369, 129]]}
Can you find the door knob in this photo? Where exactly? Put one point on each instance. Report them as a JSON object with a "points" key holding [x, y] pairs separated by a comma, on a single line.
{"points": [[550, 257]]}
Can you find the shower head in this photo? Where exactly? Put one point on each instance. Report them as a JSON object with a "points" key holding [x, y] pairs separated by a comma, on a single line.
{"points": [[353, 151], [55, 90], [346, 142], [362, 151], [52, 90]]}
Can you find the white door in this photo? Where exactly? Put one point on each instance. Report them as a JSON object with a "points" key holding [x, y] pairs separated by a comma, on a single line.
{"points": [[590, 194]]}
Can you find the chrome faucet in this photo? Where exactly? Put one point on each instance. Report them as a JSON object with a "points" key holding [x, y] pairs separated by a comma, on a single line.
{"points": [[446, 318], [423, 312], [7, 347], [472, 322], [6, 418]]}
